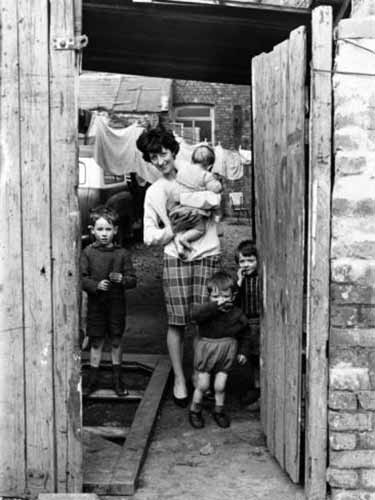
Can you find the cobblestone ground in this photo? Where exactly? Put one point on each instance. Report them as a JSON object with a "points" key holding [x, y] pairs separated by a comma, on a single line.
{"points": [[212, 463]]}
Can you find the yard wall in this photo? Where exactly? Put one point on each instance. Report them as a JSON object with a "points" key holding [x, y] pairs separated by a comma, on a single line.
{"points": [[351, 419]]}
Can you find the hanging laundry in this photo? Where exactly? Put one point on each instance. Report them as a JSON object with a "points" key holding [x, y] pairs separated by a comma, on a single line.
{"points": [[116, 152]]}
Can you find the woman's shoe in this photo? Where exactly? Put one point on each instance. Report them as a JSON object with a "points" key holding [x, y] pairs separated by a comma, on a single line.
{"points": [[196, 419], [181, 402]]}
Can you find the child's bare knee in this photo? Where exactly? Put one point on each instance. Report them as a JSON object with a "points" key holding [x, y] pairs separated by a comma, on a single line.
{"points": [[116, 341], [203, 381], [96, 342]]}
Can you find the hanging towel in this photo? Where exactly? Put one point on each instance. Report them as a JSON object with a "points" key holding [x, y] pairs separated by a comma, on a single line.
{"points": [[116, 151]]}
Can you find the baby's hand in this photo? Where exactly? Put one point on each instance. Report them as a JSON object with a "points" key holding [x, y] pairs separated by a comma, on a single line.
{"points": [[104, 285], [241, 358], [115, 277]]}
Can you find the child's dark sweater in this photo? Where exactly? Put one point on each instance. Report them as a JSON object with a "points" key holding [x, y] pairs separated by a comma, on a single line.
{"points": [[215, 324], [97, 262]]}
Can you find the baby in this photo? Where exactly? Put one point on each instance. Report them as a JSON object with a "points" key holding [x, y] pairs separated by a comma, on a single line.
{"points": [[194, 182]]}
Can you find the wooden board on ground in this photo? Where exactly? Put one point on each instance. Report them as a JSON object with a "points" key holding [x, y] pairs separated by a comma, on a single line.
{"points": [[110, 394], [119, 473]]}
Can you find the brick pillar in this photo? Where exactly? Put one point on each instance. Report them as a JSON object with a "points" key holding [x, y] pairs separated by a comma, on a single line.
{"points": [[351, 472]]}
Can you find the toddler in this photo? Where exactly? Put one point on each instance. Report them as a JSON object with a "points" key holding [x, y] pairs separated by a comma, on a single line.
{"points": [[191, 180], [106, 271], [223, 337], [249, 300]]}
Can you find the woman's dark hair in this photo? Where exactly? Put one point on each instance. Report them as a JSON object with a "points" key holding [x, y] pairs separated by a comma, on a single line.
{"points": [[154, 139], [222, 281], [247, 248]]}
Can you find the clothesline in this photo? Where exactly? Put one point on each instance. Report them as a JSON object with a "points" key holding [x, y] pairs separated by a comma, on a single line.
{"points": [[116, 152]]}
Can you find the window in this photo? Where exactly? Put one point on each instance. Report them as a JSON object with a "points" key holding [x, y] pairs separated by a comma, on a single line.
{"points": [[198, 123]]}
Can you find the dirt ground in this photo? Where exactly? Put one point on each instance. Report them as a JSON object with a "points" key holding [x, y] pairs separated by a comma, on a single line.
{"points": [[211, 463]]}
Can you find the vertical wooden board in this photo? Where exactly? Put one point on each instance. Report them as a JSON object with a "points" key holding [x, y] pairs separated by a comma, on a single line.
{"points": [[65, 245], [12, 416], [280, 69], [34, 133], [271, 308], [318, 242], [258, 165], [295, 247], [265, 249]]}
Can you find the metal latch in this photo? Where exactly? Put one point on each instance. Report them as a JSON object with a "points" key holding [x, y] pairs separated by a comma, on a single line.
{"points": [[71, 43]]}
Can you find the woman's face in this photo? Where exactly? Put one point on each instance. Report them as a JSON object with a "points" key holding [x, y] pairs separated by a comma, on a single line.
{"points": [[163, 161]]}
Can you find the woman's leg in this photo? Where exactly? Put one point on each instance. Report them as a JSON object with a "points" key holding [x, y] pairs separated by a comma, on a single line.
{"points": [[175, 336]]}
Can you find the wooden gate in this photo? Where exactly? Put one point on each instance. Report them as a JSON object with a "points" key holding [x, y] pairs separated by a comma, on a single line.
{"points": [[40, 402], [285, 237]]}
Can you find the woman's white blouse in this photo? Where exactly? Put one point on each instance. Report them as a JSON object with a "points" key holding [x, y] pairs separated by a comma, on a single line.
{"points": [[155, 211]]}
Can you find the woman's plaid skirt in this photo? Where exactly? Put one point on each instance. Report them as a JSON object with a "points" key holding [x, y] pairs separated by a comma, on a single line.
{"points": [[185, 285]]}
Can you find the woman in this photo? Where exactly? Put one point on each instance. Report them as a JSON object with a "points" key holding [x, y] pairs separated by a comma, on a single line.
{"points": [[184, 281]]}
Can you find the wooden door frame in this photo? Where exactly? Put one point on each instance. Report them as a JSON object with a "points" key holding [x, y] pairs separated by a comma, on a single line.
{"points": [[318, 254]]}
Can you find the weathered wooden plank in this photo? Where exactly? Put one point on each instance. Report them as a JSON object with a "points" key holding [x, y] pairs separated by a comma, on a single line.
{"points": [[270, 235], [131, 459], [295, 247], [110, 394], [65, 239], [35, 137], [280, 103], [317, 323], [258, 166], [147, 361], [12, 415], [120, 475]]}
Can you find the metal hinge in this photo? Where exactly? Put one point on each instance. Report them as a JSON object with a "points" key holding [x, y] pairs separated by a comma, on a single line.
{"points": [[71, 43]]}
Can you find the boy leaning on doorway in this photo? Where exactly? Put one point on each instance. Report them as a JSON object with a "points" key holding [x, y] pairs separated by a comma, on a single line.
{"points": [[106, 272], [249, 300]]}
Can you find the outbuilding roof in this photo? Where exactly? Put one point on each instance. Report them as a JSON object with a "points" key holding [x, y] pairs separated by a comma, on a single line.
{"points": [[124, 93]]}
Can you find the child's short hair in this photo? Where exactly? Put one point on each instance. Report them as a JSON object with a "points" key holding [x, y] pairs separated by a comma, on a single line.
{"points": [[204, 155], [152, 140], [247, 248], [221, 280], [101, 211]]}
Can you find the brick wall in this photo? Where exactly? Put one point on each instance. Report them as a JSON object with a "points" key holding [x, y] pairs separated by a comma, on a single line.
{"points": [[224, 98], [351, 472]]}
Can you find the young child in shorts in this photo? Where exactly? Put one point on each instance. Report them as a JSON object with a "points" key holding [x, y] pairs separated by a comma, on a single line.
{"points": [[192, 179], [249, 300], [222, 339], [106, 272]]}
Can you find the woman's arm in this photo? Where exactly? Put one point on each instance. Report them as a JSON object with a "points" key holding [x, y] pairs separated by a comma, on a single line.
{"points": [[155, 210]]}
